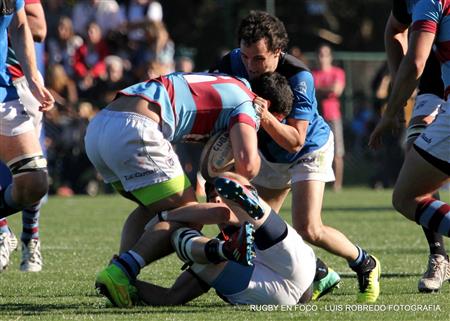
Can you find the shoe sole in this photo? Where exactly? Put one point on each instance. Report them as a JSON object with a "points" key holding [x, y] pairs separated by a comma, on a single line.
{"points": [[250, 255], [424, 290], [233, 191]]}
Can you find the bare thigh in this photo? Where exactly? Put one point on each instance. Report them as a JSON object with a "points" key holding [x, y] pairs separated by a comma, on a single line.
{"points": [[417, 179], [15, 146]]}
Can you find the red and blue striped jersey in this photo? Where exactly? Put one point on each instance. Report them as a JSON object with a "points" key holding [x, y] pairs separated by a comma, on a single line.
{"points": [[434, 16], [7, 90], [195, 106]]}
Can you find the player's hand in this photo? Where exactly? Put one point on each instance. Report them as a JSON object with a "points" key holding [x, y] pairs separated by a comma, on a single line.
{"points": [[386, 123], [43, 95], [261, 107]]}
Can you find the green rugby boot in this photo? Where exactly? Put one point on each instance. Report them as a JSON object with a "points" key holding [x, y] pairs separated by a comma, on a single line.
{"points": [[325, 285], [115, 285]]}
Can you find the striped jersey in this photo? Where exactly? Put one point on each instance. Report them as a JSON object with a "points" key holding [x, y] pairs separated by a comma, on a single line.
{"points": [[434, 16], [7, 90], [304, 106], [195, 106]]}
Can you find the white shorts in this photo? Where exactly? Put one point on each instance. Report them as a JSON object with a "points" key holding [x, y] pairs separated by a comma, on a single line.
{"points": [[435, 140], [281, 274], [21, 115], [130, 148], [426, 106], [317, 166]]}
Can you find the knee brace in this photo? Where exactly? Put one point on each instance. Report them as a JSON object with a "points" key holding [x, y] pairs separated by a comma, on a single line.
{"points": [[27, 163], [182, 240]]}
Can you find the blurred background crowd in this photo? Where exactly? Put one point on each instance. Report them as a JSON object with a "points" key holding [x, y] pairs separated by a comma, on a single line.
{"points": [[95, 48]]}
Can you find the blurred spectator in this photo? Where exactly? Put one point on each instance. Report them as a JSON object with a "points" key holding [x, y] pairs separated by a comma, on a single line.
{"points": [[62, 88], [115, 79], [138, 13], [61, 49], [54, 10], [157, 53], [70, 171], [362, 122], [298, 53], [106, 14], [89, 61], [329, 81], [389, 158], [184, 64]]}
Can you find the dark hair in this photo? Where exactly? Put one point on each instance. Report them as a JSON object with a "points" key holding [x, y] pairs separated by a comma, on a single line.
{"points": [[275, 88], [261, 25]]}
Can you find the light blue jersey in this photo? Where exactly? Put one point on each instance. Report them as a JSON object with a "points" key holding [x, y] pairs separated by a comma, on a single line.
{"points": [[195, 106]]}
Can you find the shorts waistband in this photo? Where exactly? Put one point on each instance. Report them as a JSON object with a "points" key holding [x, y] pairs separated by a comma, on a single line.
{"points": [[126, 114]]}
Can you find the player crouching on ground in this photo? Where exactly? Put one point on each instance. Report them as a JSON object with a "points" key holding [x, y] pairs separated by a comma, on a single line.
{"points": [[281, 272]]}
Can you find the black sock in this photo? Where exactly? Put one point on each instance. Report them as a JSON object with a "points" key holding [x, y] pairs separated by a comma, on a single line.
{"points": [[435, 242], [321, 270], [212, 251], [367, 265]]}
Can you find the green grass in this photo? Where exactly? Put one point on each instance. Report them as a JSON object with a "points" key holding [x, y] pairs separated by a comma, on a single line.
{"points": [[80, 234]]}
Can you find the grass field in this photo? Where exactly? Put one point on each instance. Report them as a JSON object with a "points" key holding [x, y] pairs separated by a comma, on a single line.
{"points": [[80, 234]]}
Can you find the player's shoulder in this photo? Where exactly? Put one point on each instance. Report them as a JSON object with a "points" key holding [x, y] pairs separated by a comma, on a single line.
{"points": [[290, 66]]}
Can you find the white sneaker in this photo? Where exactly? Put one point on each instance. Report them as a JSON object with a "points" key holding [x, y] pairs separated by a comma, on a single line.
{"points": [[13, 243], [31, 256], [8, 243], [437, 273]]}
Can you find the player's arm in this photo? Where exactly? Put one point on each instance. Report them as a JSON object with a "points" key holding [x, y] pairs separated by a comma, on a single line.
{"points": [[245, 149], [186, 288], [23, 45], [410, 70], [407, 79], [395, 42], [36, 20], [290, 136]]}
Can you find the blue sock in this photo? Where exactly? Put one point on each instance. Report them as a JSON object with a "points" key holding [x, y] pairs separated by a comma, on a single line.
{"points": [[129, 264], [362, 256]]}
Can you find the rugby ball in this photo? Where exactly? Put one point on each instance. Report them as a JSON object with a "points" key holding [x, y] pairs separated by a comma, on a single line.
{"points": [[217, 156]]}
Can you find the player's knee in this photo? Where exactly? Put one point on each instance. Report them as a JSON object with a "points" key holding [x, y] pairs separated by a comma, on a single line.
{"points": [[399, 201], [29, 178], [311, 234], [30, 188]]}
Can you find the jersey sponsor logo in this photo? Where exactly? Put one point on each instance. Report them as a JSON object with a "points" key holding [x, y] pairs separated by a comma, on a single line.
{"points": [[302, 87]]}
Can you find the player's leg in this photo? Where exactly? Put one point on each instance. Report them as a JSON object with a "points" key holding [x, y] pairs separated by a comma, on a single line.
{"points": [[308, 184], [8, 241], [31, 246], [278, 246], [23, 155], [412, 193], [438, 269], [273, 181], [308, 222], [143, 167]]}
